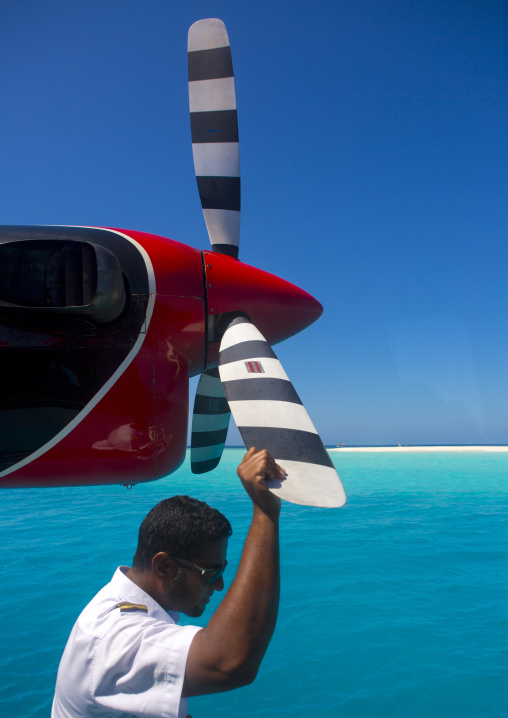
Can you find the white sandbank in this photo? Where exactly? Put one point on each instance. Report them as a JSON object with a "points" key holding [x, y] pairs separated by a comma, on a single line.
{"points": [[399, 449]]}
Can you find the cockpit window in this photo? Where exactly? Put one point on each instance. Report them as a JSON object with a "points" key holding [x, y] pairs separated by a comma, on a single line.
{"points": [[71, 277], [47, 273]]}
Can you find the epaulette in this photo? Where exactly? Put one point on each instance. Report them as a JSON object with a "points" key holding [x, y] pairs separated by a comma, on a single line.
{"points": [[131, 607]]}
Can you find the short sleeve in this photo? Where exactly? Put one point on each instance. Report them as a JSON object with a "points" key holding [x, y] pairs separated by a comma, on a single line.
{"points": [[140, 666]]}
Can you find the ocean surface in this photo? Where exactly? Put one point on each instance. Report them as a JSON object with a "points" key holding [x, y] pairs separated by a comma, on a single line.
{"points": [[395, 605]]}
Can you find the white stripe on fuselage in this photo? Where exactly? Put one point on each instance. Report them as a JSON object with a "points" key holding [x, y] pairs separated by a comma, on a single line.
{"points": [[116, 375]]}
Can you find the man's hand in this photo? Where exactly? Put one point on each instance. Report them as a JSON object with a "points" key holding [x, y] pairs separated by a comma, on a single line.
{"points": [[257, 469]]}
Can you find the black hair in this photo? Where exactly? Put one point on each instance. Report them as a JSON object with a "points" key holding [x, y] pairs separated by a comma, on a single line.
{"points": [[180, 526]]}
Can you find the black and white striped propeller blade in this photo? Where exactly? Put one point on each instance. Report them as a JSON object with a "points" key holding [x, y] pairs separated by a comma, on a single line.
{"points": [[270, 415], [214, 131], [210, 421]]}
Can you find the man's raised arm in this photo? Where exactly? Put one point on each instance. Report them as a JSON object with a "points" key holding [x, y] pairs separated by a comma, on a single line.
{"points": [[228, 652]]}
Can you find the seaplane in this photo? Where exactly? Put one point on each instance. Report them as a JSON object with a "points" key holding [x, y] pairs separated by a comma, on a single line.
{"points": [[101, 329]]}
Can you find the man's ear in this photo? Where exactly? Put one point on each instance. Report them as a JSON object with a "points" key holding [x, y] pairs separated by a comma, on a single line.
{"points": [[163, 566]]}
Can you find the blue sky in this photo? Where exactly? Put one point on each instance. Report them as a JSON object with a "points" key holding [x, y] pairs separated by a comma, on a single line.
{"points": [[374, 154]]}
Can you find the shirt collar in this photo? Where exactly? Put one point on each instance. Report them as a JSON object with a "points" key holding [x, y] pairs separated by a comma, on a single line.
{"points": [[134, 594]]}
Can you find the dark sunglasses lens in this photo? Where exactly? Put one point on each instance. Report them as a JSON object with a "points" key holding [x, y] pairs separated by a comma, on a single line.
{"points": [[214, 574]]}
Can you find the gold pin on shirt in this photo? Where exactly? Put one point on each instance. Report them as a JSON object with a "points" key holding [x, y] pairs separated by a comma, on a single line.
{"points": [[131, 607]]}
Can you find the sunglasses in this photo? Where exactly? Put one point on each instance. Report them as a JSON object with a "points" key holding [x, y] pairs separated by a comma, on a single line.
{"points": [[210, 575]]}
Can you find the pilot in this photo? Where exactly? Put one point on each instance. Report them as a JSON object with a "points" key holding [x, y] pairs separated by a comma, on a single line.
{"points": [[126, 655]]}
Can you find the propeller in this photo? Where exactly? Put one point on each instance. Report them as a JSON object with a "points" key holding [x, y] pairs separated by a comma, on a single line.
{"points": [[249, 382], [210, 422], [214, 132], [270, 415]]}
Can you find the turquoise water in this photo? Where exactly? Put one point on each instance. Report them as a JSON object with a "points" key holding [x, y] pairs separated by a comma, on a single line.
{"points": [[395, 605]]}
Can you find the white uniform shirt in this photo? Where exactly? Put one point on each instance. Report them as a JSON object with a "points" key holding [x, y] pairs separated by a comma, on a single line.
{"points": [[121, 663]]}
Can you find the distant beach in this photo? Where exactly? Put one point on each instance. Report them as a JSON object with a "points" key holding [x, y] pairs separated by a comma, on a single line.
{"points": [[398, 449]]}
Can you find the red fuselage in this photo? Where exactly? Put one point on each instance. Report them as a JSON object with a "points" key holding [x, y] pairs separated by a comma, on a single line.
{"points": [[98, 392]]}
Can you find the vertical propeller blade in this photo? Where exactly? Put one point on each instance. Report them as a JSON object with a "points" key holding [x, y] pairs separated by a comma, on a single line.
{"points": [[214, 131], [210, 421], [270, 415]]}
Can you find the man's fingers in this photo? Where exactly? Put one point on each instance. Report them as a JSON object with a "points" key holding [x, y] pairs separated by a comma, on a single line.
{"points": [[273, 470], [281, 471], [260, 464]]}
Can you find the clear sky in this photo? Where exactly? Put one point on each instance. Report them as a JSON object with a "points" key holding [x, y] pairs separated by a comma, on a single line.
{"points": [[374, 152]]}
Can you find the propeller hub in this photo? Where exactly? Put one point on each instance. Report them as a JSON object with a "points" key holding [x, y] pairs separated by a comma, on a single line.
{"points": [[278, 308]]}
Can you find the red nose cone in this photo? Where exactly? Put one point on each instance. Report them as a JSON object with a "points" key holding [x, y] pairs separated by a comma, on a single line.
{"points": [[278, 308]]}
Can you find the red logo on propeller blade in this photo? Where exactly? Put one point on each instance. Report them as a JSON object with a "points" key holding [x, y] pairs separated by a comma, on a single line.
{"points": [[254, 367]]}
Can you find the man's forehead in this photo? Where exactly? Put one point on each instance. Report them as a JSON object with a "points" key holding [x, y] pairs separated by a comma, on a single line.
{"points": [[212, 553]]}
